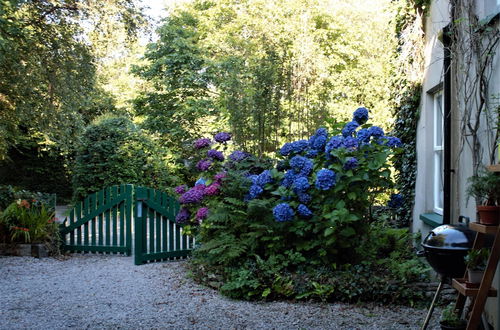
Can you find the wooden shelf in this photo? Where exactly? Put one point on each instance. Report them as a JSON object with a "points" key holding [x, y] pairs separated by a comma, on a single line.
{"points": [[484, 229], [459, 284], [494, 168]]}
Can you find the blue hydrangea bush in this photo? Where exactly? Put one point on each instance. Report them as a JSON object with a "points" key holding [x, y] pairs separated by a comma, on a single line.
{"points": [[327, 183], [300, 227]]}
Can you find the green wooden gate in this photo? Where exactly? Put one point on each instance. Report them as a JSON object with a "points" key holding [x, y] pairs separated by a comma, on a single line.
{"points": [[103, 223], [157, 236]]}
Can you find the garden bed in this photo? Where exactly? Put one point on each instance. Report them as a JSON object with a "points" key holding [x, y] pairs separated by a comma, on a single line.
{"points": [[24, 250]]}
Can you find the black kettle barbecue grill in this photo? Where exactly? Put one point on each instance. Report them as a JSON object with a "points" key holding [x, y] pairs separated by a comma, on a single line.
{"points": [[445, 248]]}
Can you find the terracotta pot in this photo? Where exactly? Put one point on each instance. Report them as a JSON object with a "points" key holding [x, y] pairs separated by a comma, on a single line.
{"points": [[488, 215]]}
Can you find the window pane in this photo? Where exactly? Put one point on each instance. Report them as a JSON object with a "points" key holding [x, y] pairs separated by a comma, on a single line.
{"points": [[438, 119], [438, 180]]}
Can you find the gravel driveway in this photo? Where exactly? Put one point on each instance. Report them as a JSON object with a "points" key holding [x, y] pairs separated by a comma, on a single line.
{"points": [[109, 292]]}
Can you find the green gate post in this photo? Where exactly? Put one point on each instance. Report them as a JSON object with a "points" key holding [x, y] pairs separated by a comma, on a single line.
{"points": [[140, 218]]}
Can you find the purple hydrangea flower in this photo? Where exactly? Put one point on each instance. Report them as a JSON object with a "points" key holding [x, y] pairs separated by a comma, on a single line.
{"points": [[202, 213], [363, 135], [193, 195], [255, 191], [222, 137], [204, 164], [325, 179], [350, 142], [349, 128], [219, 176], [301, 184], [238, 155], [304, 211], [215, 154], [286, 149], [202, 143], [213, 189], [183, 216], [376, 131], [360, 115], [393, 142], [180, 189], [304, 198], [396, 201], [283, 212], [350, 163]]}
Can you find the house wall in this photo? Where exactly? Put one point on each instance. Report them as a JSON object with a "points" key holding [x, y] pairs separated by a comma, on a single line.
{"points": [[438, 18]]}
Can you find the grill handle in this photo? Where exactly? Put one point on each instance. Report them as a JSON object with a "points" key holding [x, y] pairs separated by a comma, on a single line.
{"points": [[421, 253]]}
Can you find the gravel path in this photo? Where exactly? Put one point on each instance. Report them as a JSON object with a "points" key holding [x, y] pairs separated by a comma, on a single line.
{"points": [[109, 292]]}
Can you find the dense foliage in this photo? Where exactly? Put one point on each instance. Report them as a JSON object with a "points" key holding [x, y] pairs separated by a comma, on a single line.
{"points": [[264, 73], [113, 150], [303, 229]]}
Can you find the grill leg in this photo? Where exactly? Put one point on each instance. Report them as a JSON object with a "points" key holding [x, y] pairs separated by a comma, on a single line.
{"points": [[431, 309]]}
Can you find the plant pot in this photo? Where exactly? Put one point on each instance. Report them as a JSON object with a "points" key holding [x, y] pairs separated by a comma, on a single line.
{"points": [[488, 215], [444, 326], [475, 276]]}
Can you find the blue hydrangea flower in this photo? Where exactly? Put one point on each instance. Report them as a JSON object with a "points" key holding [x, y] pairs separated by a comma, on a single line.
{"points": [[201, 181], [304, 198], [307, 168], [350, 163], [376, 131], [311, 153], [283, 212], [396, 201], [222, 137], [301, 184], [297, 163], [253, 178], [350, 142], [349, 128], [318, 140], [183, 216], [360, 115], [264, 178], [325, 179], [286, 149], [289, 178], [299, 146], [334, 143], [393, 142], [304, 211], [363, 135], [215, 154], [255, 191], [238, 155]]}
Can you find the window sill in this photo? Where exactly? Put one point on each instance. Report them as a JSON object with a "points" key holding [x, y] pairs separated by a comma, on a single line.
{"points": [[432, 219]]}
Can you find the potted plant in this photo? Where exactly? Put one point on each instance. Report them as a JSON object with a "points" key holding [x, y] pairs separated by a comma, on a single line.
{"points": [[485, 188], [476, 261], [450, 319]]}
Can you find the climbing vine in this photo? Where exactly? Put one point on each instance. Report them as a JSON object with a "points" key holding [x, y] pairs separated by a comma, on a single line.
{"points": [[474, 44], [406, 97]]}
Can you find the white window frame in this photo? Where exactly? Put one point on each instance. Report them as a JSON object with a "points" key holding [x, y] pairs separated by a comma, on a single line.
{"points": [[438, 152]]}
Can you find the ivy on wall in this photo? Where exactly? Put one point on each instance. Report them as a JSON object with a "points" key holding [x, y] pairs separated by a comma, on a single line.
{"points": [[406, 97]]}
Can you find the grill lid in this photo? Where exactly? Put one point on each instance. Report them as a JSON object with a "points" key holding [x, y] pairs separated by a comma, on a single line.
{"points": [[449, 237]]}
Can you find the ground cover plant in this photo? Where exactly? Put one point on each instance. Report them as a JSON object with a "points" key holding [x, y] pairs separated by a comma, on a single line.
{"points": [[301, 228]]}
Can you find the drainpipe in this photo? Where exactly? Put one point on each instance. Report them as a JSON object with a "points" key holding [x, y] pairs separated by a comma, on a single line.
{"points": [[447, 42]]}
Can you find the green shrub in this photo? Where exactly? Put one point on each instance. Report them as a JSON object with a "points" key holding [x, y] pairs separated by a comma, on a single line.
{"points": [[113, 150], [258, 243], [25, 222], [9, 194]]}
